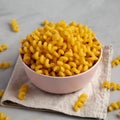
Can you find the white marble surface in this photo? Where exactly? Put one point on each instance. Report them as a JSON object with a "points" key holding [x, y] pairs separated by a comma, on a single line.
{"points": [[101, 15]]}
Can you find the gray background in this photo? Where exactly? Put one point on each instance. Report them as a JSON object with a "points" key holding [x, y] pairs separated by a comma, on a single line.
{"points": [[102, 16]]}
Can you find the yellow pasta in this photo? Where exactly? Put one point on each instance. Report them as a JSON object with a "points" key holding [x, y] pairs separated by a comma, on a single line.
{"points": [[5, 64], [39, 71], [42, 59], [47, 64], [67, 66], [49, 56], [14, 25], [3, 116], [111, 85], [36, 119], [45, 22], [53, 73], [116, 61], [22, 91], [66, 49], [114, 106], [80, 102], [56, 68], [62, 74], [74, 70], [118, 86], [83, 96], [118, 103], [63, 58], [106, 84], [46, 72], [3, 47], [118, 114], [68, 72], [60, 63], [1, 93]]}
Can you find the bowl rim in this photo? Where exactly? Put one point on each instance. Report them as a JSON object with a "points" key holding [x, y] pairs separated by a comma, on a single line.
{"points": [[80, 74]]}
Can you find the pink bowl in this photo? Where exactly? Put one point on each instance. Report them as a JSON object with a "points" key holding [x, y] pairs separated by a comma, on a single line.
{"points": [[61, 85]]}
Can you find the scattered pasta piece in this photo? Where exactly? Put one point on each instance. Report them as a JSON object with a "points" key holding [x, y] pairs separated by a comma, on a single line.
{"points": [[60, 49], [3, 47], [23, 91], [111, 85], [14, 25], [80, 102], [114, 106], [1, 93], [45, 22], [106, 84], [116, 61], [118, 86], [3, 116], [36, 119], [118, 114], [5, 64]]}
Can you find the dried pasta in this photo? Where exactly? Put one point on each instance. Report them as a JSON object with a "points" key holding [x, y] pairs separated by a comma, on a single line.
{"points": [[3, 47], [5, 64], [36, 119], [23, 91], [80, 102], [116, 61], [111, 85], [3, 116], [61, 49], [45, 22], [114, 106], [1, 93], [118, 114], [14, 25]]}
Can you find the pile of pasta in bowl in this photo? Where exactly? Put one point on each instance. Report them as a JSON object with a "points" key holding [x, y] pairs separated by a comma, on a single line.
{"points": [[60, 50]]}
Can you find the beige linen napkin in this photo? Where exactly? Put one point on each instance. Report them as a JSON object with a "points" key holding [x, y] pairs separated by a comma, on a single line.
{"points": [[95, 107]]}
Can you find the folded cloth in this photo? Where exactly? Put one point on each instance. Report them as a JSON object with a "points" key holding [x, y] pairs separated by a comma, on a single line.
{"points": [[95, 107]]}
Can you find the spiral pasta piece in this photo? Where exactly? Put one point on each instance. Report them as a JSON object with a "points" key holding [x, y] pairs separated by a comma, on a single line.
{"points": [[22, 91], [14, 25], [45, 22], [114, 106], [111, 85], [3, 116], [1, 93], [36, 119], [3, 47], [5, 64], [80, 102], [118, 114], [116, 61]]}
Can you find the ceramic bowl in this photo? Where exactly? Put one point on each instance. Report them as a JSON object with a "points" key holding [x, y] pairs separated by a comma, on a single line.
{"points": [[61, 85]]}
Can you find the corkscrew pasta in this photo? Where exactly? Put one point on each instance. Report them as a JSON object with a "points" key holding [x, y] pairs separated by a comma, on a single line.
{"points": [[114, 106], [111, 85], [45, 22], [3, 116], [23, 91], [36, 118], [14, 25], [60, 49], [116, 61], [3, 47], [5, 64], [1, 93], [80, 102], [118, 114]]}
